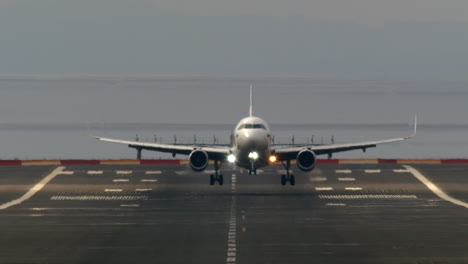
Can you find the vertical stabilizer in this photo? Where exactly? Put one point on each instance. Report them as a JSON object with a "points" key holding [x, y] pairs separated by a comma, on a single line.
{"points": [[251, 101]]}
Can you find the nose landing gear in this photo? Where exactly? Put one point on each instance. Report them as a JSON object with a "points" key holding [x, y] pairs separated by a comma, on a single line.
{"points": [[285, 178]]}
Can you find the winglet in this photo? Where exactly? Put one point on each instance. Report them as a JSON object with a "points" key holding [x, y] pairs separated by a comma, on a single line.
{"points": [[251, 100]]}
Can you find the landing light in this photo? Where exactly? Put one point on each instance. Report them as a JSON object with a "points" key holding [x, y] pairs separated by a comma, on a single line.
{"points": [[272, 158], [231, 158], [253, 155]]}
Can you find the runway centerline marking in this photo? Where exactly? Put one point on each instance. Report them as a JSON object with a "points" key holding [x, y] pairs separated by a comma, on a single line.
{"points": [[123, 172], [431, 186], [335, 204], [153, 172], [95, 172], [346, 179], [372, 171], [343, 171], [67, 172], [34, 189], [143, 190], [149, 180], [121, 180], [353, 188], [113, 190], [323, 188], [400, 171], [318, 179]]}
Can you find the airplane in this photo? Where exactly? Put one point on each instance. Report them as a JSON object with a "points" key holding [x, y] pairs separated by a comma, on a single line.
{"points": [[251, 148]]}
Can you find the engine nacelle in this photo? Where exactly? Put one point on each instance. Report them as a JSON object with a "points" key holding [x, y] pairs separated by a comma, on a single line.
{"points": [[306, 160], [198, 160]]}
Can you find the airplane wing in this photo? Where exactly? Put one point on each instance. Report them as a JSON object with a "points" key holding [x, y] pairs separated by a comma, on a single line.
{"points": [[214, 153], [289, 153]]}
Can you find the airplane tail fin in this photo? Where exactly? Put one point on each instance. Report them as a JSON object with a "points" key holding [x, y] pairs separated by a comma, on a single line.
{"points": [[251, 101]]}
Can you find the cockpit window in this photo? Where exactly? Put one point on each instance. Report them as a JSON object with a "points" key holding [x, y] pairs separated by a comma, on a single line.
{"points": [[252, 126]]}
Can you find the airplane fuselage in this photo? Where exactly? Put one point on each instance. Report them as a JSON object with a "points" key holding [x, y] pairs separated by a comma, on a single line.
{"points": [[251, 143]]}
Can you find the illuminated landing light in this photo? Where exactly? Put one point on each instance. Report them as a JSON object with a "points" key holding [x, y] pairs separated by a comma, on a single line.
{"points": [[272, 158], [231, 158], [253, 155]]}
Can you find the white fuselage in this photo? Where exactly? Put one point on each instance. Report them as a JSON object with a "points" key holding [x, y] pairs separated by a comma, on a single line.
{"points": [[250, 143]]}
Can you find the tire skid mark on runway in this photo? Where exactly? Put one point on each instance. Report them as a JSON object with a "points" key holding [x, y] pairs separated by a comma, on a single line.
{"points": [[431, 186], [34, 189]]}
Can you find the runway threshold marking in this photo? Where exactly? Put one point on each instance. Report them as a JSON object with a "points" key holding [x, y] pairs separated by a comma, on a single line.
{"points": [[34, 189], [431, 186]]}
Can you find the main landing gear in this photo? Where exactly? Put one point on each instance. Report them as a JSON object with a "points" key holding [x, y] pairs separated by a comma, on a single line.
{"points": [[287, 177], [252, 169], [217, 177]]}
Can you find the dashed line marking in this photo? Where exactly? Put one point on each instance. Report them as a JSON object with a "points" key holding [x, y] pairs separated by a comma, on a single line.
{"points": [[346, 179], [343, 171], [323, 188], [335, 204], [98, 198], [95, 172], [123, 172], [149, 180], [113, 190], [372, 171], [318, 179], [353, 188], [431, 186], [143, 190], [401, 171], [34, 189], [121, 180], [130, 205], [368, 196], [67, 172], [153, 172]]}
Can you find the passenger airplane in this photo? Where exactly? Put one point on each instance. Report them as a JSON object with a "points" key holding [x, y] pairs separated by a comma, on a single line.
{"points": [[252, 148]]}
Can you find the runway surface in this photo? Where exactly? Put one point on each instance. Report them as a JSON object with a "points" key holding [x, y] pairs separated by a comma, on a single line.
{"points": [[168, 214]]}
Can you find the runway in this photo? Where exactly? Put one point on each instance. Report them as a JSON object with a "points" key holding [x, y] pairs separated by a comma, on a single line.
{"points": [[339, 213]]}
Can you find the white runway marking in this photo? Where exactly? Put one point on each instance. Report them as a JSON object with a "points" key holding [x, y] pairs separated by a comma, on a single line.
{"points": [[98, 198], [368, 196], [231, 241], [95, 172], [434, 188], [67, 172], [400, 171], [121, 180], [123, 172], [129, 205], [318, 179], [346, 179], [335, 204], [372, 171], [113, 190], [34, 189], [143, 190], [344, 171], [323, 188], [149, 180], [353, 188], [153, 172]]}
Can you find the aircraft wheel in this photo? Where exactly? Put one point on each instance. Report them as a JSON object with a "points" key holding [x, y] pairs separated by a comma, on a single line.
{"points": [[221, 179], [283, 180], [292, 180], [212, 180]]}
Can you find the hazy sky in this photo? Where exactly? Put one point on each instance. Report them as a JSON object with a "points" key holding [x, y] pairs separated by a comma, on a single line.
{"points": [[332, 38]]}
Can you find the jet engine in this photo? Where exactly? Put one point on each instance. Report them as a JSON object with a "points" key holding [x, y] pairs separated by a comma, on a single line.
{"points": [[198, 160], [306, 160]]}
